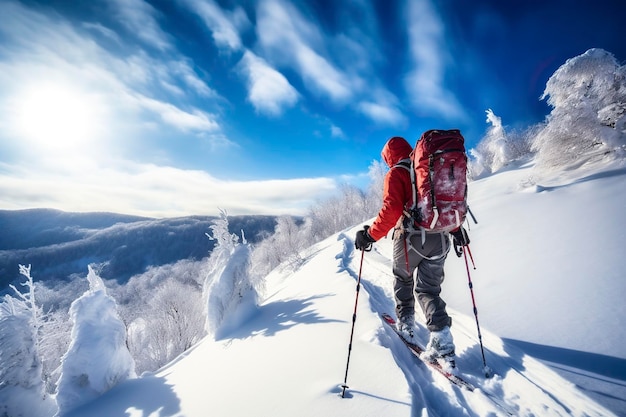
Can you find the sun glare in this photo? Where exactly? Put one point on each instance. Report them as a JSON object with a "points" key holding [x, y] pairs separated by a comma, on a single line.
{"points": [[57, 117]]}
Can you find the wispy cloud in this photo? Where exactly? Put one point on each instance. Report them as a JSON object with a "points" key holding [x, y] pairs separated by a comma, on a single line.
{"points": [[225, 26], [382, 114], [383, 108], [340, 66], [337, 132], [195, 120], [290, 40], [61, 52], [425, 82], [140, 19], [268, 90]]}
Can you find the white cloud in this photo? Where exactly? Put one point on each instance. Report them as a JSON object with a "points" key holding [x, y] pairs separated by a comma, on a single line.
{"points": [[196, 120], [382, 107], [337, 132], [425, 82], [104, 31], [224, 26], [154, 191], [290, 40], [139, 17], [268, 90], [382, 113], [185, 72]]}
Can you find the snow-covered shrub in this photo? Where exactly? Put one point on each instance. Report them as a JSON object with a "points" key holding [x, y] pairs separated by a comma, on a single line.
{"points": [[98, 357], [497, 149], [163, 311], [22, 389], [336, 213], [374, 194], [588, 118], [326, 217], [55, 299], [284, 245], [227, 281], [168, 324]]}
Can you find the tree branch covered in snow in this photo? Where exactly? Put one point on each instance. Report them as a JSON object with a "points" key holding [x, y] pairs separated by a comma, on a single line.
{"points": [[22, 389]]}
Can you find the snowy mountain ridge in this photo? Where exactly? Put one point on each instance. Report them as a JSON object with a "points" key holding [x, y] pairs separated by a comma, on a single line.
{"points": [[548, 284]]}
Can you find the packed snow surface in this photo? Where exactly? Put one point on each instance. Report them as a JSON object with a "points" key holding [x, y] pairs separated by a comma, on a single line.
{"points": [[549, 287]]}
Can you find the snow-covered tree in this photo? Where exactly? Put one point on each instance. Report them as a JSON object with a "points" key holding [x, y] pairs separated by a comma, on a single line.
{"points": [[498, 148], [55, 339], [376, 173], [349, 206], [325, 217], [163, 311], [491, 154], [284, 245], [22, 389], [170, 323], [227, 281], [588, 118], [98, 357]]}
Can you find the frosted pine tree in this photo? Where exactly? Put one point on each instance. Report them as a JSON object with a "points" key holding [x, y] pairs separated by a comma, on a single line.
{"points": [[492, 153], [22, 390], [98, 358], [227, 282]]}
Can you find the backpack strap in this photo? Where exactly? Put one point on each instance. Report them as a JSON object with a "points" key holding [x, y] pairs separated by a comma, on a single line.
{"points": [[403, 163], [407, 163], [445, 245]]}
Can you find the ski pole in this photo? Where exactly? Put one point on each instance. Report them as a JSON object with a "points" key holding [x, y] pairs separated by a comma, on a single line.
{"points": [[471, 257], [472, 214], [356, 301], [486, 369]]}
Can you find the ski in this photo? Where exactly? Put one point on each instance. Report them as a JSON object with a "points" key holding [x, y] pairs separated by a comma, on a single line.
{"points": [[455, 379], [417, 350]]}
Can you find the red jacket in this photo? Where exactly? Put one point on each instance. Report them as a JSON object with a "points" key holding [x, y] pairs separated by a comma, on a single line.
{"points": [[397, 191]]}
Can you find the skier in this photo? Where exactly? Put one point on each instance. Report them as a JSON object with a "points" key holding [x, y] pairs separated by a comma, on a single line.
{"points": [[413, 250]]}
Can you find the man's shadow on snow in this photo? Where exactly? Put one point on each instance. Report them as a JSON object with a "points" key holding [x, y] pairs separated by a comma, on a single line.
{"points": [[145, 396], [274, 317]]}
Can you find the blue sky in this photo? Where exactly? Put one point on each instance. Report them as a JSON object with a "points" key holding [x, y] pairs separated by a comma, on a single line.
{"points": [[178, 107]]}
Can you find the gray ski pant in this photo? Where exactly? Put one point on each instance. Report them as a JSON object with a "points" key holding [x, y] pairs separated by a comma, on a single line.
{"points": [[428, 279]]}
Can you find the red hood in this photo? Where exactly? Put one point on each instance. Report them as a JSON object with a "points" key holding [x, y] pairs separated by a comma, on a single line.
{"points": [[395, 150]]}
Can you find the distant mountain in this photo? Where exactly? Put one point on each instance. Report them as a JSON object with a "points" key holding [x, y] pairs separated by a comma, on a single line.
{"points": [[58, 244]]}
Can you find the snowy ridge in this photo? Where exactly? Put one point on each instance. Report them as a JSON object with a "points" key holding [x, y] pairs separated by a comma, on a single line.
{"points": [[548, 280]]}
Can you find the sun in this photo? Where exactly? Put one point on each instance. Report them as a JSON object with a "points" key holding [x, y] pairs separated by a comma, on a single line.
{"points": [[57, 117]]}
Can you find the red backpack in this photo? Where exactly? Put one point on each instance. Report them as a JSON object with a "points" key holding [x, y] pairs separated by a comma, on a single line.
{"points": [[439, 176]]}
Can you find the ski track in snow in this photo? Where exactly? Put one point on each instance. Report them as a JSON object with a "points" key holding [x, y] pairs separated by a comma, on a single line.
{"points": [[430, 392]]}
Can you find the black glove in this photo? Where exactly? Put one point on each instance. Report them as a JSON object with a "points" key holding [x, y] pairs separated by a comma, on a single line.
{"points": [[460, 238], [363, 240]]}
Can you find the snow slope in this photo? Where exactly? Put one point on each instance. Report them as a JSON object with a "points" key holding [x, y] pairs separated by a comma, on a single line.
{"points": [[549, 288]]}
